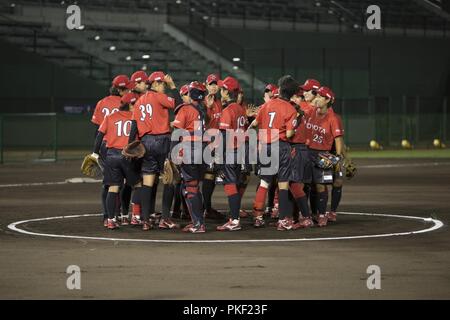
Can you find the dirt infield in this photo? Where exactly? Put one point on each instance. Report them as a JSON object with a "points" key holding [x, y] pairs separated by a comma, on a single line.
{"points": [[413, 266]]}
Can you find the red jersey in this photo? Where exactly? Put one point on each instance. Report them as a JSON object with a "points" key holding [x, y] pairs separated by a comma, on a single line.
{"points": [[300, 131], [188, 118], [105, 107], [234, 118], [116, 128], [213, 114], [151, 113], [276, 114], [322, 130]]}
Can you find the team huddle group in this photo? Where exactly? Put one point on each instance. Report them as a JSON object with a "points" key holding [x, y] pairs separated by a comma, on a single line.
{"points": [[294, 196]]}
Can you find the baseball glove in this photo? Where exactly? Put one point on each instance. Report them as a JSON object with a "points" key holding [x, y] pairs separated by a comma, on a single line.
{"points": [[90, 166], [350, 168], [170, 175], [134, 150], [326, 160]]}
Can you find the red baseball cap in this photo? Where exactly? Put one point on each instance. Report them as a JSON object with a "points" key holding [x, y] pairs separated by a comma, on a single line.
{"points": [[197, 85], [139, 76], [271, 87], [156, 76], [122, 81], [276, 92], [326, 92], [230, 84], [212, 78], [184, 90], [128, 98], [310, 84]]}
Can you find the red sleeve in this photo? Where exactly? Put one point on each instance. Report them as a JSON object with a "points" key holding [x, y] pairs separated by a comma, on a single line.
{"points": [[225, 120], [336, 126], [104, 126], [166, 101], [260, 114], [291, 118], [136, 110], [180, 119], [97, 116]]}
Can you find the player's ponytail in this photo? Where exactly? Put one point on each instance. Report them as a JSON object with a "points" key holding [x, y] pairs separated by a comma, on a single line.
{"points": [[114, 91], [124, 107]]}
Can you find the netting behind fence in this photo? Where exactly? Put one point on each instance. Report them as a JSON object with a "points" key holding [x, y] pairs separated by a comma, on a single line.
{"points": [[388, 120]]}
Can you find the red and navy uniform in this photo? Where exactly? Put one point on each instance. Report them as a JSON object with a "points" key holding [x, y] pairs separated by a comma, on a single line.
{"points": [[274, 118], [190, 117], [322, 130], [151, 113], [116, 130]]}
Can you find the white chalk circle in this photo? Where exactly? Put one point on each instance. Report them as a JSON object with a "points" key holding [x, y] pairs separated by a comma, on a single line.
{"points": [[435, 224]]}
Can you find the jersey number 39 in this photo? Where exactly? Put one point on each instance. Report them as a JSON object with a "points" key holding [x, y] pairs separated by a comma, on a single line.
{"points": [[146, 110]]}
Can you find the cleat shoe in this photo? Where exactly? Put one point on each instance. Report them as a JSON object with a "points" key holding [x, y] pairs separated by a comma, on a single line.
{"points": [[105, 223], [168, 224], [136, 221], [303, 223], [199, 228], [124, 221], [322, 220], [243, 214], [213, 214], [332, 216], [186, 228], [112, 224], [259, 222], [231, 225], [146, 226], [274, 214], [155, 218], [284, 224]]}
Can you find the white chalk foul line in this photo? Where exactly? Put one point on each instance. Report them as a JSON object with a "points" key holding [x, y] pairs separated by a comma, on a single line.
{"points": [[37, 184], [436, 225], [89, 180], [405, 165]]}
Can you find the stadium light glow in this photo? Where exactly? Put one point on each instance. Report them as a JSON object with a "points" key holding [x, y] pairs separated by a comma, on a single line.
{"points": [[81, 27], [156, 8], [13, 5], [236, 59], [235, 67], [97, 37], [112, 48], [144, 67], [145, 56], [128, 58], [178, 2], [318, 4]]}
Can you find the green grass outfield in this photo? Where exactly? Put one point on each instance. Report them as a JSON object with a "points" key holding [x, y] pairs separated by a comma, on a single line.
{"points": [[10, 156], [401, 154]]}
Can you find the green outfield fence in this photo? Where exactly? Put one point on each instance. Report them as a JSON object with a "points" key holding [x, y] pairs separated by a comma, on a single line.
{"points": [[388, 120]]}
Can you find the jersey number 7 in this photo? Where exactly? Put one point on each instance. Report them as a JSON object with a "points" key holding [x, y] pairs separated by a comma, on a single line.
{"points": [[272, 117]]}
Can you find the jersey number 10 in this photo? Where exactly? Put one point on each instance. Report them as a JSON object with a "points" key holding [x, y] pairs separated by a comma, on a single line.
{"points": [[123, 129]]}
